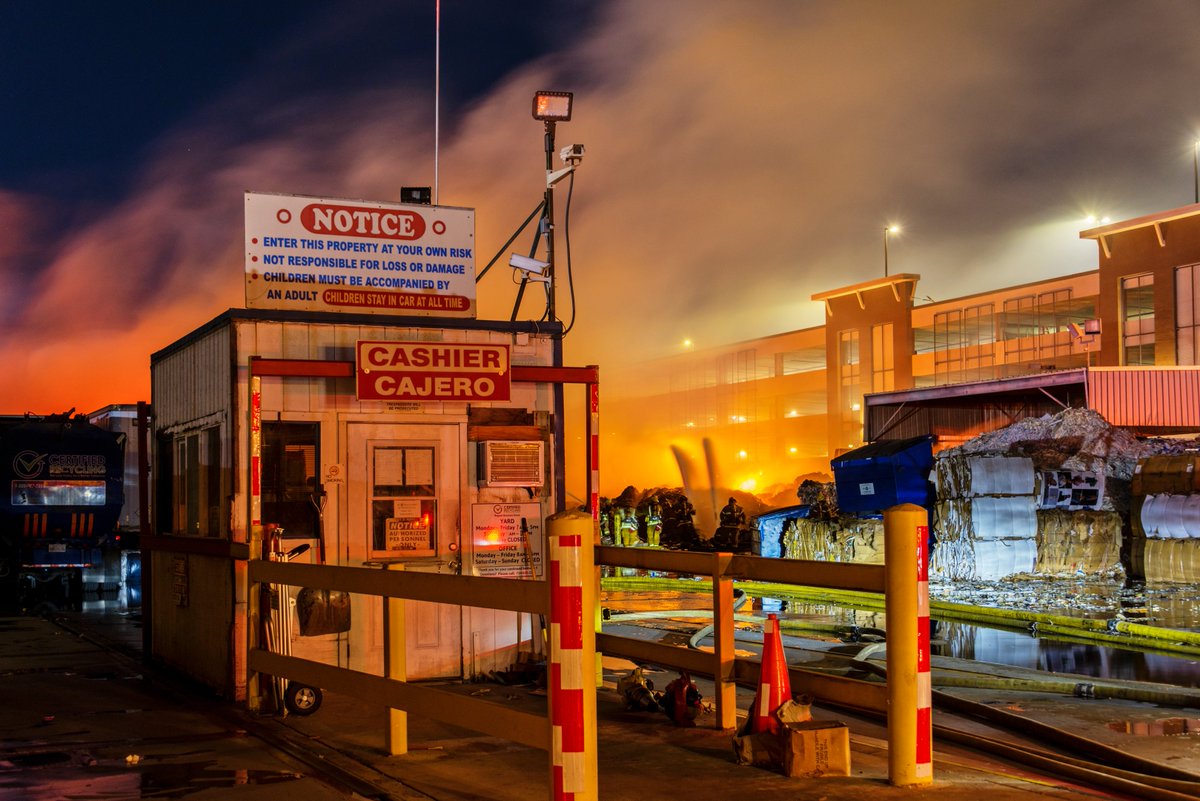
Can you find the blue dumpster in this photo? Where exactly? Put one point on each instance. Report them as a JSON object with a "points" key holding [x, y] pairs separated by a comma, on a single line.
{"points": [[883, 474]]}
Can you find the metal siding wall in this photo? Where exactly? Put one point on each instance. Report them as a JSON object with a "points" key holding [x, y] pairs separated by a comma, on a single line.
{"points": [[193, 382], [953, 424], [1150, 398]]}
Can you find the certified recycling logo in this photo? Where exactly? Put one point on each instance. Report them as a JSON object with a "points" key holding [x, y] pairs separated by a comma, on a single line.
{"points": [[28, 464]]}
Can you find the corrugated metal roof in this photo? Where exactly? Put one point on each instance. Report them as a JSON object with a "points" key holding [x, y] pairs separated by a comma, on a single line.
{"points": [[350, 318]]}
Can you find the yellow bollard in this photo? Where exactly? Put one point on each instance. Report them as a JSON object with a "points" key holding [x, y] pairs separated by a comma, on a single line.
{"points": [[906, 588], [572, 692], [395, 666]]}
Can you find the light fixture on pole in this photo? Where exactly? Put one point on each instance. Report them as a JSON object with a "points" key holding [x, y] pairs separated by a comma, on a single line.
{"points": [[888, 230], [551, 108]]}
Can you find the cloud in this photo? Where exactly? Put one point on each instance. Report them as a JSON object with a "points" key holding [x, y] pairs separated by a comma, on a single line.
{"points": [[740, 158]]}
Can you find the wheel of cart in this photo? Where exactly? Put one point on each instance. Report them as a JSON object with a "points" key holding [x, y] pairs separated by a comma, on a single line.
{"points": [[300, 699], [297, 698]]}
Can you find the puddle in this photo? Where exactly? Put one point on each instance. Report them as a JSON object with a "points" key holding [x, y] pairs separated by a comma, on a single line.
{"points": [[35, 759], [1157, 728], [50, 775]]}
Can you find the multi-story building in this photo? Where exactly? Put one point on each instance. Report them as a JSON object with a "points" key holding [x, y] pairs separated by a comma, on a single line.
{"points": [[886, 364]]}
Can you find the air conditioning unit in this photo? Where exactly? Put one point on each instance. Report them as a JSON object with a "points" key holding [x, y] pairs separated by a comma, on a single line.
{"points": [[512, 463]]}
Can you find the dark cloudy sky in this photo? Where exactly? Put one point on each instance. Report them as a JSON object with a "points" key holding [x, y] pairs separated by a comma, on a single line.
{"points": [[741, 156]]}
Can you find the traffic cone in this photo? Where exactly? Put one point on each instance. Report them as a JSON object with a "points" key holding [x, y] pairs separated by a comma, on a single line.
{"points": [[774, 684]]}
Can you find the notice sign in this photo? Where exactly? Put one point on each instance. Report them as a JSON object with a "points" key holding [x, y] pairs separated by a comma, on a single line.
{"points": [[359, 256], [508, 539], [406, 534], [432, 371]]}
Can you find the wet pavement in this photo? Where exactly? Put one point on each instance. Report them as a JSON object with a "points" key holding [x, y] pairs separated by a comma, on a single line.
{"points": [[81, 722], [78, 721]]}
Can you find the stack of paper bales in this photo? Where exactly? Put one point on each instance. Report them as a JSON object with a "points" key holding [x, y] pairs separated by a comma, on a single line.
{"points": [[1079, 532], [986, 518], [1166, 519], [1072, 543], [845, 539]]}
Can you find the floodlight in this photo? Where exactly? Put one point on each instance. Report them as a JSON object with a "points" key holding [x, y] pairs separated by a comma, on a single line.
{"points": [[528, 264], [552, 106]]}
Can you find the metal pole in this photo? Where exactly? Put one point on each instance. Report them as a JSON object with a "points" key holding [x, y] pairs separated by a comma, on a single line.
{"points": [[572, 693], [906, 588], [437, 92], [548, 227], [257, 594], [885, 253], [396, 666], [146, 528], [1196, 169]]}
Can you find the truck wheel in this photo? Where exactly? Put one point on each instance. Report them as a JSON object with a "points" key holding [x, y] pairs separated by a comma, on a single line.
{"points": [[300, 699]]}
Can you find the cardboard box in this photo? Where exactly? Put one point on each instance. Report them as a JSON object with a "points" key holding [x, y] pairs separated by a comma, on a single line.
{"points": [[817, 748]]}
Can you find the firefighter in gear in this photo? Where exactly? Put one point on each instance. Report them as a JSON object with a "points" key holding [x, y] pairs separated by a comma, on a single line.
{"points": [[629, 528], [653, 524], [732, 533], [732, 515]]}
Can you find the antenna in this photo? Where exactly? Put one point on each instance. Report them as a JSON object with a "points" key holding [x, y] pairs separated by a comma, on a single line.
{"points": [[437, 91]]}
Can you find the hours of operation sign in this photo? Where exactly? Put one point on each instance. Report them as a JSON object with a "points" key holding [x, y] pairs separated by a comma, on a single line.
{"points": [[323, 254], [507, 538]]}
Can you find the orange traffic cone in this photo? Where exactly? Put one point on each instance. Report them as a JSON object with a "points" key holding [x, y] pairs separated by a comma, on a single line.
{"points": [[774, 684]]}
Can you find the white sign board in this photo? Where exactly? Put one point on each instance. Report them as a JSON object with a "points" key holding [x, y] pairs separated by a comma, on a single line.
{"points": [[501, 548], [359, 256]]}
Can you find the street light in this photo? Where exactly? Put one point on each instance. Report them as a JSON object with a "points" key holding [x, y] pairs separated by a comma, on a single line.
{"points": [[888, 230]]}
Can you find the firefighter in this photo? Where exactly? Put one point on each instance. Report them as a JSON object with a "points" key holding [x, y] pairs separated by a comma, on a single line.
{"points": [[629, 527], [653, 524]]}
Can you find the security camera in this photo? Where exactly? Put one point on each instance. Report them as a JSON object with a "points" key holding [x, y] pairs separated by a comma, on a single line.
{"points": [[528, 264], [572, 154]]}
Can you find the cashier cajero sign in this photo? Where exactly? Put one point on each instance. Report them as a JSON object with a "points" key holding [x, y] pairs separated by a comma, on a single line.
{"points": [[432, 371]]}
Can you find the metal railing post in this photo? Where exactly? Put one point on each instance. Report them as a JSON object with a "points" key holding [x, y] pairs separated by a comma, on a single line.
{"points": [[724, 687], [910, 721], [572, 691], [395, 666], [257, 592]]}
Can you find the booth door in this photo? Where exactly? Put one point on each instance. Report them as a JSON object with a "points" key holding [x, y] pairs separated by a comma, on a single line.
{"points": [[403, 493]]}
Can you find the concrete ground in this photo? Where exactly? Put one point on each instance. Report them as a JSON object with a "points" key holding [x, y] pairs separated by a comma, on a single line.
{"points": [[73, 714], [645, 756]]}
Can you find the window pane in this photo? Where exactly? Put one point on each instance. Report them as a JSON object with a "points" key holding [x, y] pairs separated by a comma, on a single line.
{"points": [[1137, 323], [291, 457]]}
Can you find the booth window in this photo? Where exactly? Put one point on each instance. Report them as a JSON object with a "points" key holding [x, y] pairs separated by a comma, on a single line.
{"points": [[403, 501], [290, 491], [197, 496]]}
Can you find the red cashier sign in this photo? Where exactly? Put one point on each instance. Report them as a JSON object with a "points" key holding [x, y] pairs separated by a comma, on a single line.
{"points": [[432, 371]]}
